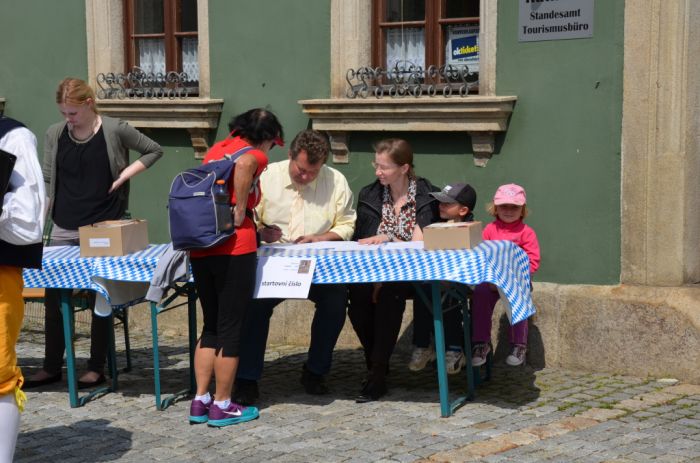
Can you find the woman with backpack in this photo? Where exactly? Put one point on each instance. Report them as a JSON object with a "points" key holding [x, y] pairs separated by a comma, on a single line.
{"points": [[224, 274]]}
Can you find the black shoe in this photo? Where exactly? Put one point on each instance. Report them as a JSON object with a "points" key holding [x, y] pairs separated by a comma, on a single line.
{"points": [[32, 383], [371, 391], [245, 391], [88, 384], [313, 384]]}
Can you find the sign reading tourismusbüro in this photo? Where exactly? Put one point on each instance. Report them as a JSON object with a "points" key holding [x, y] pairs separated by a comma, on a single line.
{"points": [[555, 20]]}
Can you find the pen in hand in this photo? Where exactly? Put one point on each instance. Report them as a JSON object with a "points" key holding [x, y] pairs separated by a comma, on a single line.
{"points": [[270, 233], [274, 227]]}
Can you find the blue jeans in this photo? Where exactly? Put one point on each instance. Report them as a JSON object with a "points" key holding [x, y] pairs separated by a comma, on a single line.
{"points": [[329, 318]]}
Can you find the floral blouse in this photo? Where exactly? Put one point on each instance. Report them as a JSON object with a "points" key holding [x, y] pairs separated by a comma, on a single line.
{"points": [[399, 226]]}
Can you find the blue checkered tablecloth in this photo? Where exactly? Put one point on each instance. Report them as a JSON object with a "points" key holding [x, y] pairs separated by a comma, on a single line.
{"points": [[499, 262], [62, 267]]}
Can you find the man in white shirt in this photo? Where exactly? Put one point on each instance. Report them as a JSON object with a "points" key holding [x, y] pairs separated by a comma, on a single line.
{"points": [[21, 228], [303, 201]]}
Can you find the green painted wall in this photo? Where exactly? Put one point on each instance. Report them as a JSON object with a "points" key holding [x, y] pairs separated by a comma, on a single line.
{"points": [[562, 144], [269, 54], [564, 141], [53, 50], [36, 53]]}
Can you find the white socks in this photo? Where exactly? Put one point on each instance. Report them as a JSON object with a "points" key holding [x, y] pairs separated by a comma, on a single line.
{"points": [[9, 427], [222, 404], [205, 399]]}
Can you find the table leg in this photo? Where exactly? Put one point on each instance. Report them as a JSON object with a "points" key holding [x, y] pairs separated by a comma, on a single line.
{"points": [[113, 371], [443, 385], [68, 318], [192, 313], [164, 402], [156, 354]]}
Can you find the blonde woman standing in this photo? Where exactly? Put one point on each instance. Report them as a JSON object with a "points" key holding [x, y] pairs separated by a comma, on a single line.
{"points": [[86, 171]]}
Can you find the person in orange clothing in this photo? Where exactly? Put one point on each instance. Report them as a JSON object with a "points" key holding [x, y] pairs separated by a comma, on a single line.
{"points": [[21, 227]]}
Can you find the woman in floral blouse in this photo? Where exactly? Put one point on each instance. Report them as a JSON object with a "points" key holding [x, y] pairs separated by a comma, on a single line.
{"points": [[395, 207]]}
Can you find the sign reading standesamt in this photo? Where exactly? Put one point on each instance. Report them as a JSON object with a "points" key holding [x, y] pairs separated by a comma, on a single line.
{"points": [[555, 20]]}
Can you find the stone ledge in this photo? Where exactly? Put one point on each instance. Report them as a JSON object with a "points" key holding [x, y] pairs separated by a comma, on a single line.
{"points": [[480, 116], [196, 115], [191, 113]]}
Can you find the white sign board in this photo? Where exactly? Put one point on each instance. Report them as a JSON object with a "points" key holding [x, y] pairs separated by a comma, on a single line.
{"points": [[555, 20], [284, 277]]}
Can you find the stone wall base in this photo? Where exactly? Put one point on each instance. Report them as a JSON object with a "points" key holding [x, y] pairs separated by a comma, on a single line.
{"points": [[630, 330]]}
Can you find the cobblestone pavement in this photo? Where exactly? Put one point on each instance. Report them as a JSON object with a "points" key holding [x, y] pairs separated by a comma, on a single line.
{"points": [[521, 415]]}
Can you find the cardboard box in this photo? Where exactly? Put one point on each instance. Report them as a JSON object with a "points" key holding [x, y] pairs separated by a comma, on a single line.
{"points": [[452, 235], [113, 238]]}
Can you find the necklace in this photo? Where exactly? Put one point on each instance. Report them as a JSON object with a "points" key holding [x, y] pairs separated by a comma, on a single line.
{"points": [[93, 131]]}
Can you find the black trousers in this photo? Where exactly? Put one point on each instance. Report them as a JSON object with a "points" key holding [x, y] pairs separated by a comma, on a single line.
{"points": [[54, 342], [378, 324]]}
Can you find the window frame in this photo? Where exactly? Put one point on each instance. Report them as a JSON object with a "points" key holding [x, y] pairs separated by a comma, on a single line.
{"points": [[482, 116], [199, 115], [173, 49], [433, 24]]}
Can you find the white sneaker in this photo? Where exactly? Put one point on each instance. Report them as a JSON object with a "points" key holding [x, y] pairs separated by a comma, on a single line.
{"points": [[480, 353], [420, 357], [455, 361], [517, 355]]}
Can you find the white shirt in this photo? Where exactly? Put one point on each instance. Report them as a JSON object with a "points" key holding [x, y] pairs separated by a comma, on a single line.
{"points": [[325, 203], [24, 205]]}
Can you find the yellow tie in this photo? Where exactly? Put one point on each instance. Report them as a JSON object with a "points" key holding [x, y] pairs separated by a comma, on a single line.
{"points": [[296, 220]]}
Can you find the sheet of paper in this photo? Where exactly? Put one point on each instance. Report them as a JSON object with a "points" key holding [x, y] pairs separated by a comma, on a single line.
{"points": [[284, 277], [400, 245], [55, 248], [338, 246]]}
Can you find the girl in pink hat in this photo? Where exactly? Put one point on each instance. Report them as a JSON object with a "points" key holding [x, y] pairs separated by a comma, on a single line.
{"points": [[510, 208]]}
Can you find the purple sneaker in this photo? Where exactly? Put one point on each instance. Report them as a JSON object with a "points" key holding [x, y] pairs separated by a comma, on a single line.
{"points": [[232, 414], [199, 411]]}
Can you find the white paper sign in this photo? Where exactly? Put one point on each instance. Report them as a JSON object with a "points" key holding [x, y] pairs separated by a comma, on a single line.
{"points": [[99, 242], [284, 277]]}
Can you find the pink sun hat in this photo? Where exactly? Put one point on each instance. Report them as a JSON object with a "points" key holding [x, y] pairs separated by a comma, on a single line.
{"points": [[510, 194]]}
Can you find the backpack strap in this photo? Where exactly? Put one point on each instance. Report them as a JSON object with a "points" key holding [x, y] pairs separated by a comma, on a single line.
{"points": [[234, 156]]}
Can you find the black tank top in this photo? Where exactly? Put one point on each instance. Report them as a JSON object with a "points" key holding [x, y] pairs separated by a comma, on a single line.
{"points": [[83, 178]]}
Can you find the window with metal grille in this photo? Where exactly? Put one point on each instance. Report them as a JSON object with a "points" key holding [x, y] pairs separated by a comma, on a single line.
{"points": [[425, 33], [161, 37]]}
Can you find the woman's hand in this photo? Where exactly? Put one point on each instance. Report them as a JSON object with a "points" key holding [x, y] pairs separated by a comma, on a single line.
{"points": [[116, 184], [238, 216], [376, 239], [132, 169]]}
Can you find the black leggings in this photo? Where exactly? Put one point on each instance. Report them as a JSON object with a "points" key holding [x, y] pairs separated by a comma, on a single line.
{"points": [[225, 287]]}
